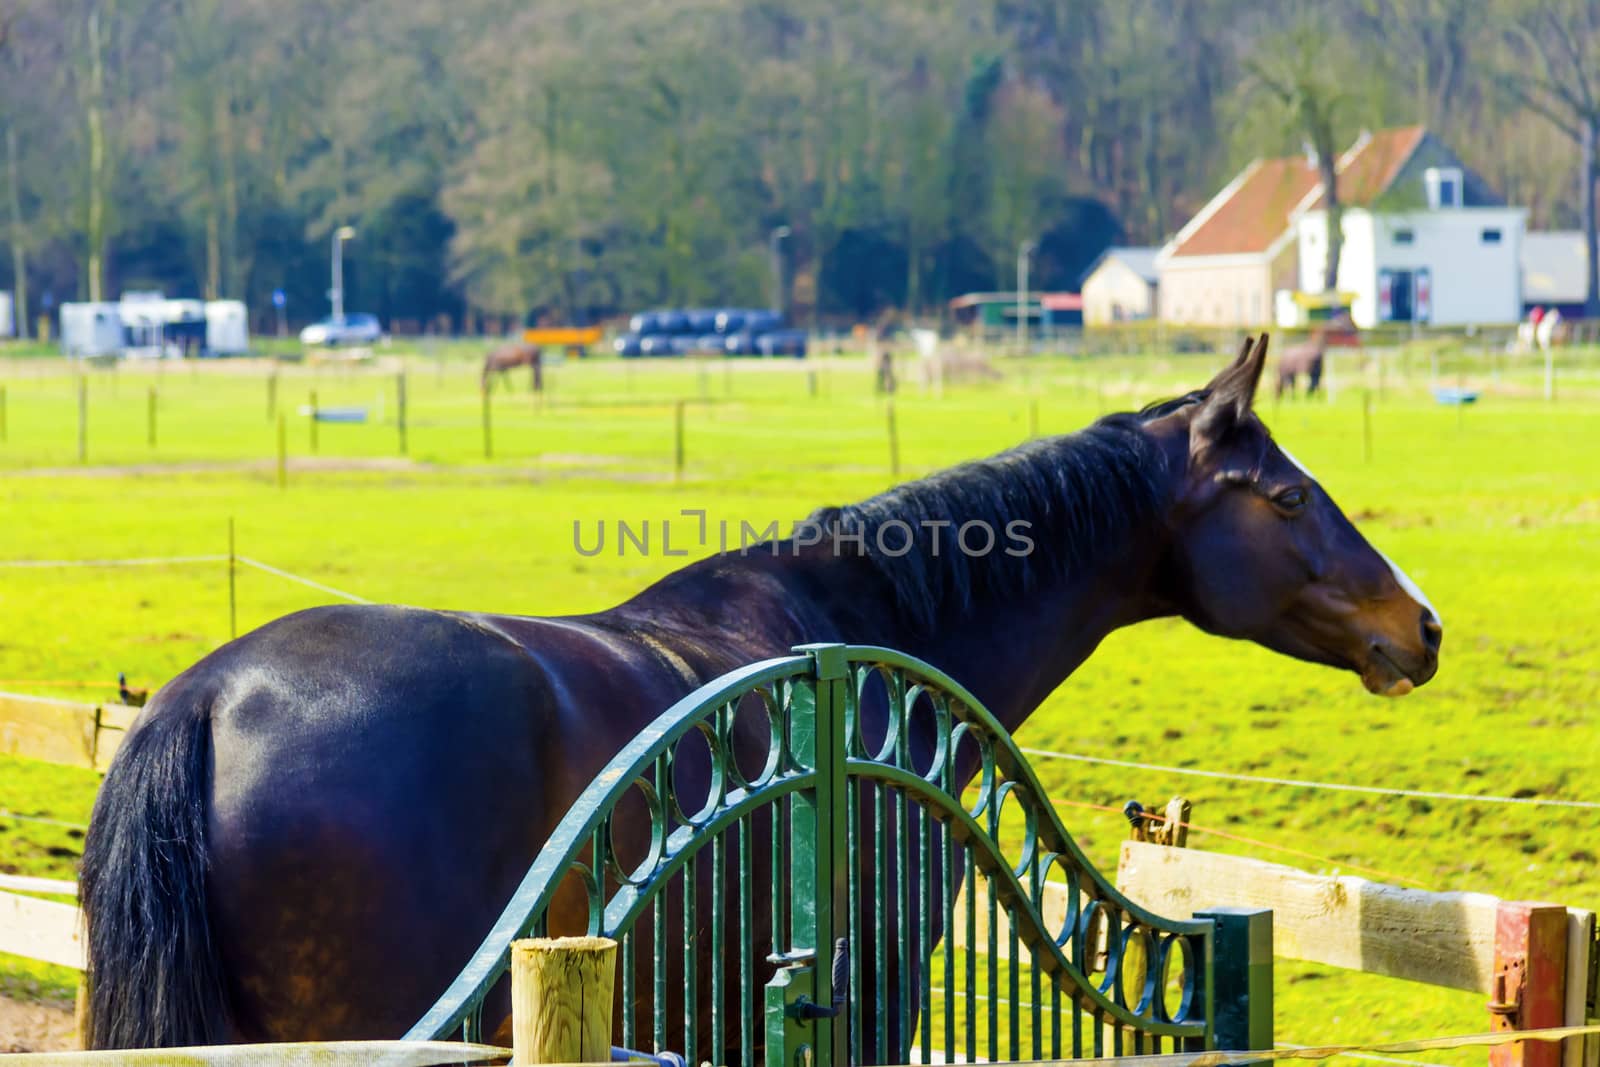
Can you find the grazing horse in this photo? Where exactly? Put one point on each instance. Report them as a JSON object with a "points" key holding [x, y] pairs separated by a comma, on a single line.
{"points": [[306, 834], [1304, 358], [504, 359]]}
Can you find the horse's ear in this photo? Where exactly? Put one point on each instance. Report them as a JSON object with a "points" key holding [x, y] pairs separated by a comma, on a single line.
{"points": [[1230, 394]]}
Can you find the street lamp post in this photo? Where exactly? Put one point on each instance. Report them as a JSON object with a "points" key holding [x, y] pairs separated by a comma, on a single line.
{"points": [[336, 294], [778, 234], [1024, 250]]}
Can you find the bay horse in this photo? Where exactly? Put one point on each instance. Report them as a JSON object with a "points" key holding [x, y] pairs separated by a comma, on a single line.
{"points": [[1303, 358], [506, 358], [306, 834]]}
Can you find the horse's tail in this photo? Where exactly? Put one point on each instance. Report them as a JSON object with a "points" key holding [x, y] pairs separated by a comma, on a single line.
{"points": [[155, 977]]}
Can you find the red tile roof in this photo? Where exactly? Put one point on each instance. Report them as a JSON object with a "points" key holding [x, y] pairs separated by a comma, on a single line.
{"points": [[1264, 198], [1258, 211], [1372, 164]]}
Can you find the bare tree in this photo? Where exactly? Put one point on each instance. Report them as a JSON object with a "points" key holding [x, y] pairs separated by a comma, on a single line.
{"points": [[1552, 68], [1296, 71]]}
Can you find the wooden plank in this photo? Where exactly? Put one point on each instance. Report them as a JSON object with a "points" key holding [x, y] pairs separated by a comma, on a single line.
{"points": [[1579, 1051], [41, 930], [1443, 939], [1530, 959], [17, 883], [118, 716], [55, 731]]}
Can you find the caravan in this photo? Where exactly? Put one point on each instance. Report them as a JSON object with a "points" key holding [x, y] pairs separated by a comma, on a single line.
{"points": [[227, 328], [90, 329]]}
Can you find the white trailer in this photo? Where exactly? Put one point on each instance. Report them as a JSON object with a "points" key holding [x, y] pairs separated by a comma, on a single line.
{"points": [[227, 328], [91, 329]]}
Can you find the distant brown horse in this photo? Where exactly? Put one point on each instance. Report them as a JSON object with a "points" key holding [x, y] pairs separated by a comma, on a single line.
{"points": [[503, 359], [1303, 358]]}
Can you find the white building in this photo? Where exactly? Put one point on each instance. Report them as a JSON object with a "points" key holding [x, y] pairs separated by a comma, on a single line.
{"points": [[1424, 240], [1119, 286], [1555, 271]]}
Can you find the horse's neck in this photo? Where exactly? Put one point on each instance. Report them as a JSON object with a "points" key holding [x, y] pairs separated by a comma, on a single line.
{"points": [[1014, 654]]}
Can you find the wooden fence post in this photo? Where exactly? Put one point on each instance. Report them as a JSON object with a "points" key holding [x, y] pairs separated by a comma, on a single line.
{"points": [[152, 417], [894, 445], [400, 407], [677, 441], [1530, 980], [488, 429], [561, 999], [83, 419], [81, 1020], [313, 422]]}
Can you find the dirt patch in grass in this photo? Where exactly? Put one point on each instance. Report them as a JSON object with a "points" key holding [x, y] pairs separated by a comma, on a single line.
{"points": [[26, 1027]]}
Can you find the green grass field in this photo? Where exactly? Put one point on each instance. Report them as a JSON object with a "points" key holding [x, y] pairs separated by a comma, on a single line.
{"points": [[1493, 509]]}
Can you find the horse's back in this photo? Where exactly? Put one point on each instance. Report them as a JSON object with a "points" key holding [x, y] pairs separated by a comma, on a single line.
{"points": [[374, 770]]}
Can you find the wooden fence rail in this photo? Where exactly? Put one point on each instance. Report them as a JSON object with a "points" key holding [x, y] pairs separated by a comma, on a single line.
{"points": [[62, 731], [1535, 962]]}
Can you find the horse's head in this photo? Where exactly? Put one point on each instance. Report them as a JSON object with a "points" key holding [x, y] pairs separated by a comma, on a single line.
{"points": [[1260, 551]]}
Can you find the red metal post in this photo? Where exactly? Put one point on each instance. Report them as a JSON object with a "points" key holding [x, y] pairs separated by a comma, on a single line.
{"points": [[1530, 978]]}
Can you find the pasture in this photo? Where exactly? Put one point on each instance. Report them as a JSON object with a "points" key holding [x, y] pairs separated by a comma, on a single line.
{"points": [[1493, 509]]}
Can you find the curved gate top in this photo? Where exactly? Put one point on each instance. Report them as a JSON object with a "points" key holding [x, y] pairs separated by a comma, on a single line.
{"points": [[843, 850]]}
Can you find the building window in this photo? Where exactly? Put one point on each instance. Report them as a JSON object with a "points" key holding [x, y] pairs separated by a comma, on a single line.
{"points": [[1444, 187], [1490, 237], [1405, 237]]}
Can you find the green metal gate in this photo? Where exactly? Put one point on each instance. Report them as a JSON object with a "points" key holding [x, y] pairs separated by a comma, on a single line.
{"points": [[841, 857]]}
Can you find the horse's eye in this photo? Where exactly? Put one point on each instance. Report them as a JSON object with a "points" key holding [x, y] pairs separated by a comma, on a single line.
{"points": [[1291, 501]]}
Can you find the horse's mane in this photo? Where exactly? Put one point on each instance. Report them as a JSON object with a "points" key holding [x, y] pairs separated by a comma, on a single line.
{"points": [[1085, 495]]}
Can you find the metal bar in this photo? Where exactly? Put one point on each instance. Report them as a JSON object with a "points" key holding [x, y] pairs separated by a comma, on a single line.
{"points": [[780, 837], [880, 919], [658, 910], [925, 928], [1014, 987], [719, 881], [1036, 990], [971, 984], [831, 840], [947, 880], [994, 961], [853, 820], [628, 942], [691, 958], [658, 917], [1243, 976], [747, 944], [904, 946]]}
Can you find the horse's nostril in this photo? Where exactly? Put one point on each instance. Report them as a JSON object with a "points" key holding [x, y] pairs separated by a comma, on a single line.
{"points": [[1432, 631]]}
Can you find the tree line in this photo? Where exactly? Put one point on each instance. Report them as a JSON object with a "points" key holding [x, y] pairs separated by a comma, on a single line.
{"points": [[573, 158]]}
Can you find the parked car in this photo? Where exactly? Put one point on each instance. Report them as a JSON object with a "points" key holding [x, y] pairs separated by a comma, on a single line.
{"points": [[357, 328]]}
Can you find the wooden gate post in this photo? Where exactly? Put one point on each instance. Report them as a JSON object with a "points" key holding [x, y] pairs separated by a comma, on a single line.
{"points": [[1529, 989], [561, 999], [1242, 979]]}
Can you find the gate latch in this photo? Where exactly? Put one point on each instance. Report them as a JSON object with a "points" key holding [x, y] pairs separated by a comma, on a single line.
{"points": [[1509, 982]]}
